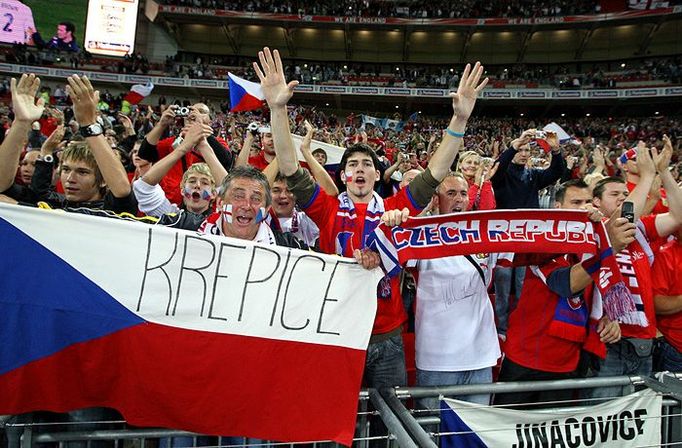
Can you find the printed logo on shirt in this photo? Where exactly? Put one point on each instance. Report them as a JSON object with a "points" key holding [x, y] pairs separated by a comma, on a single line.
{"points": [[384, 288]]}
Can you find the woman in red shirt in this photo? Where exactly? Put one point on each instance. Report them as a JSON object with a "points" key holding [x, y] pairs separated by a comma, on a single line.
{"points": [[477, 174]]}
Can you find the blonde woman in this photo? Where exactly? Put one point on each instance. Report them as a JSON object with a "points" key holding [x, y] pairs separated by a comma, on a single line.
{"points": [[477, 173]]}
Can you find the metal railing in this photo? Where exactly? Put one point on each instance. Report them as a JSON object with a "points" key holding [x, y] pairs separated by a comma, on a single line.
{"points": [[389, 409]]}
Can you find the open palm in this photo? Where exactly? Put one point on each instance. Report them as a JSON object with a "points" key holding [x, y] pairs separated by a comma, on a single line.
{"points": [[464, 100], [275, 88], [24, 103]]}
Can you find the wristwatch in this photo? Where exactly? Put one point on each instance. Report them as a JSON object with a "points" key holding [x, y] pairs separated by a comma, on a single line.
{"points": [[47, 158], [92, 130]]}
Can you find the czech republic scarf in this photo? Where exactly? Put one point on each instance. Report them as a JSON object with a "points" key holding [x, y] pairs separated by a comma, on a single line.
{"points": [[518, 231]]}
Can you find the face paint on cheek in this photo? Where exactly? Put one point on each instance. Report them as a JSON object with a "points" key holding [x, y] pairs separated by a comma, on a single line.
{"points": [[349, 176], [226, 211], [187, 192], [206, 194], [261, 215]]}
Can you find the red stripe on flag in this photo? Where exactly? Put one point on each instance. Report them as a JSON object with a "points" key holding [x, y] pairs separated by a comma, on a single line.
{"points": [[248, 102], [133, 97], [203, 382]]}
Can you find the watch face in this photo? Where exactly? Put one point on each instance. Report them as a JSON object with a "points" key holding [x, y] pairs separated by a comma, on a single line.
{"points": [[92, 130]]}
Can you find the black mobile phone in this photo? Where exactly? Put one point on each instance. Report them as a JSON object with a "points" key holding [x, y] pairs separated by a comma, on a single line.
{"points": [[628, 211]]}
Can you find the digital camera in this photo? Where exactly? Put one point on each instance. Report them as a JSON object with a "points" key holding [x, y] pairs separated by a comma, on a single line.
{"points": [[182, 111]]}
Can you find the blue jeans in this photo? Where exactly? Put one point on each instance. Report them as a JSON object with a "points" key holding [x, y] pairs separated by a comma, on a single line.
{"points": [[503, 285], [622, 359], [434, 378], [671, 359], [385, 363]]}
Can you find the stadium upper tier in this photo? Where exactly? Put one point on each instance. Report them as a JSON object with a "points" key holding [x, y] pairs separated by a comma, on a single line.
{"points": [[425, 39]]}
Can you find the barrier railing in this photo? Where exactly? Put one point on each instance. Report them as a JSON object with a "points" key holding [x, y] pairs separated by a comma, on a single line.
{"points": [[422, 423], [384, 419], [373, 412]]}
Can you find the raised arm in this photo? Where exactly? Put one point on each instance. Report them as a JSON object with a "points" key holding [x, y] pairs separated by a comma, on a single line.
{"points": [[647, 173], [277, 94], [85, 99], [463, 102], [196, 133], [243, 157], [667, 223], [319, 173], [26, 111]]}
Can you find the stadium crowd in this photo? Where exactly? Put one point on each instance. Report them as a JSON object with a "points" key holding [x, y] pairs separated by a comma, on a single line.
{"points": [[82, 151], [416, 10]]}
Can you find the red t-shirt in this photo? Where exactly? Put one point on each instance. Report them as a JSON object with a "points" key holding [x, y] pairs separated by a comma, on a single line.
{"points": [[635, 266], [170, 183], [667, 281], [258, 161], [528, 342], [323, 209]]}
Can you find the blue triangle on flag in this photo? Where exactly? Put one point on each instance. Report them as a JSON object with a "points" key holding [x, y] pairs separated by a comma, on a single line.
{"points": [[48, 302], [451, 422]]}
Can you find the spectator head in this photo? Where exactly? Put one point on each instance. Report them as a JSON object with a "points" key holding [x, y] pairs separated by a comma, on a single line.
{"points": [[522, 155], [35, 126], [468, 164], [27, 166], [198, 188], [66, 31], [321, 156], [199, 112], [408, 176], [266, 140], [452, 195], [283, 200], [358, 171], [80, 176], [137, 161], [608, 194], [246, 193], [573, 195]]}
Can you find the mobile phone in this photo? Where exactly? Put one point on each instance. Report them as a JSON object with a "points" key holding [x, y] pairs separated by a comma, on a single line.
{"points": [[628, 211]]}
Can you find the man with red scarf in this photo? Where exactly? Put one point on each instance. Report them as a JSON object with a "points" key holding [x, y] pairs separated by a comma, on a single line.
{"points": [[346, 221]]}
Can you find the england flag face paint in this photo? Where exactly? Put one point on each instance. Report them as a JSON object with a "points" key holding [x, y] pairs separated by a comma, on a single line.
{"points": [[226, 211]]}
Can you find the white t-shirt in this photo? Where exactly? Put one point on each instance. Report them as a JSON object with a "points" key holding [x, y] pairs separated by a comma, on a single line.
{"points": [[15, 20], [454, 322], [308, 232]]}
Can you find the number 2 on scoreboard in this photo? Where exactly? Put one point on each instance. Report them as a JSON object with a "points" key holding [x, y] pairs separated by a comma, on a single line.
{"points": [[8, 25]]}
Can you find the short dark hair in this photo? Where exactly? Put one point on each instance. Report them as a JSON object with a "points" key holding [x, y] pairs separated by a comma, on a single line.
{"points": [[69, 26], [573, 183], [358, 148], [599, 188], [320, 151]]}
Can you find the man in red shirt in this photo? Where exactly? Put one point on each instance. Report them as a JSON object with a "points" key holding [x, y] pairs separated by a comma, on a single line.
{"points": [[667, 285], [154, 148], [536, 347], [346, 221], [267, 154], [632, 354], [632, 177]]}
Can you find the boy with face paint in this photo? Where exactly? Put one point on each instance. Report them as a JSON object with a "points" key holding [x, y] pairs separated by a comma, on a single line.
{"points": [[346, 221], [197, 187]]}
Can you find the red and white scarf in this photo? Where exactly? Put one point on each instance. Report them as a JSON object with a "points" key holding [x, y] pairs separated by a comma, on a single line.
{"points": [[518, 231]]}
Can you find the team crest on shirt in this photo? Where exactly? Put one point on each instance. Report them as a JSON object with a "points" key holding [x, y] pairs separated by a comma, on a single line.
{"points": [[575, 302], [481, 256]]}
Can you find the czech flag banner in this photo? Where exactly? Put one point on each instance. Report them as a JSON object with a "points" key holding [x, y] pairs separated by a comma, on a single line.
{"points": [[627, 422], [139, 92], [180, 330], [244, 95]]}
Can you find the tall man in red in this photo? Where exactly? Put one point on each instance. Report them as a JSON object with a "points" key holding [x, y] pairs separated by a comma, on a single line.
{"points": [[667, 284], [346, 221], [632, 354]]}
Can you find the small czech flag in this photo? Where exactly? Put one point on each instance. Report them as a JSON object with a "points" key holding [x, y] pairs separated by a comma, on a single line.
{"points": [[630, 154], [244, 95], [138, 92]]}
